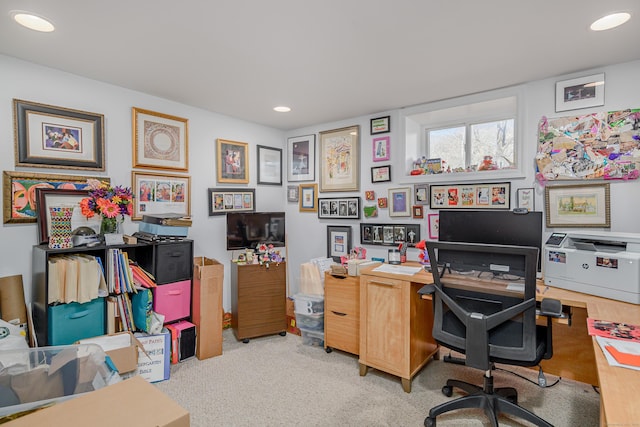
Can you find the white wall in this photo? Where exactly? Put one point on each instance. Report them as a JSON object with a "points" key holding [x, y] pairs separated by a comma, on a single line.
{"points": [[306, 233]]}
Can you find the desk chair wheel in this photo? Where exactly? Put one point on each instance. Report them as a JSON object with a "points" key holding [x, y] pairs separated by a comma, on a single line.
{"points": [[447, 391], [328, 349], [429, 422]]}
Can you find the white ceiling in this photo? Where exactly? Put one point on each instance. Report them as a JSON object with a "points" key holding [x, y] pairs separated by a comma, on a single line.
{"points": [[328, 60]]}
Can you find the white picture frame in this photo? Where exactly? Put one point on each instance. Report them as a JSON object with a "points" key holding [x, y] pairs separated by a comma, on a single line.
{"points": [[581, 92]]}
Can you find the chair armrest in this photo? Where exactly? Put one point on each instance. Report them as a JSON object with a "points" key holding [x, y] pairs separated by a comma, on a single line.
{"points": [[427, 290], [551, 307]]}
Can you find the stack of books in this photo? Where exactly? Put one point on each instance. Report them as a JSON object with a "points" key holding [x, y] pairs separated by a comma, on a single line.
{"points": [[159, 227]]}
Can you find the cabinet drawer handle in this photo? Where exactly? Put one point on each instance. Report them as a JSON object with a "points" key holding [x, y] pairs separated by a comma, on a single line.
{"points": [[174, 293], [379, 282], [78, 314], [175, 254], [337, 313]]}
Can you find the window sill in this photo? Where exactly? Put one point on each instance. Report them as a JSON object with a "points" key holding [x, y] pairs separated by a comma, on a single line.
{"points": [[482, 176]]}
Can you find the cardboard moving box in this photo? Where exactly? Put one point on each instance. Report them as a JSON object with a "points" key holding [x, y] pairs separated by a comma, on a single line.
{"points": [[132, 402], [122, 349], [208, 277]]}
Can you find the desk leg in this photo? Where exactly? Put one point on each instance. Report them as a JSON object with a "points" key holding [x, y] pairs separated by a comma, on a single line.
{"points": [[406, 384], [363, 369]]}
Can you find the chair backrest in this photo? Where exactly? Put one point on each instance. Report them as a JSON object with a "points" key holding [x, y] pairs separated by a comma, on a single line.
{"points": [[487, 311]]}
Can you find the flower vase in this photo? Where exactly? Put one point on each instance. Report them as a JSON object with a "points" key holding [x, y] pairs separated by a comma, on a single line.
{"points": [[110, 230], [60, 228]]}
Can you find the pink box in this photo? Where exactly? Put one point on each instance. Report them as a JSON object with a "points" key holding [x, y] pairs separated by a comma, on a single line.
{"points": [[173, 300]]}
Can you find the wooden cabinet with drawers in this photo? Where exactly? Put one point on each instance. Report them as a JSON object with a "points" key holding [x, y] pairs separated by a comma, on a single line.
{"points": [[342, 313]]}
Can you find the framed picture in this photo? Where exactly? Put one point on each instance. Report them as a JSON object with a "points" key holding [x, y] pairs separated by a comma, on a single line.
{"points": [[421, 194], [160, 141], [382, 202], [381, 173], [339, 159], [400, 201], [526, 198], [338, 241], [301, 158], [370, 211], [471, 196], [233, 162], [434, 225], [418, 212], [578, 205], [339, 207], [381, 148], [583, 92], [223, 200], [19, 192], [293, 193], [369, 195], [155, 193], [380, 125], [308, 197], [56, 137], [50, 197], [389, 234], [269, 165]]}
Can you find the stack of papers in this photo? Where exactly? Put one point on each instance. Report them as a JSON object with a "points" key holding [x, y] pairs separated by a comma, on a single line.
{"points": [[397, 269], [620, 342]]}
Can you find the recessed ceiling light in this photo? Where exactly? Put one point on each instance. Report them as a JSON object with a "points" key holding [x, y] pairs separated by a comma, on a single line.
{"points": [[610, 21], [32, 21], [282, 109]]}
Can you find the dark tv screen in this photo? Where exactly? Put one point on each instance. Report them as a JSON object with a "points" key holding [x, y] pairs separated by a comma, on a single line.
{"points": [[492, 227], [248, 229]]}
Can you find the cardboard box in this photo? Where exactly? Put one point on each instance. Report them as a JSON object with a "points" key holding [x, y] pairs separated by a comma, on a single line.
{"points": [[122, 349], [132, 402], [291, 317], [154, 362], [208, 278], [355, 265]]}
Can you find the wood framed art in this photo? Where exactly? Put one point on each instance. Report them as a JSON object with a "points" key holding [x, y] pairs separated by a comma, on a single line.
{"points": [[338, 241], [301, 158], [380, 125], [389, 234], [526, 198], [434, 225], [224, 200], [160, 141], [418, 212], [340, 159], [586, 205], [339, 207], [19, 192], [156, 193], [582, 92], [421, 194], [381, 148], [56, 137], [495, 195], [308, 197], [381, 173], [49, 197], [233, 162], [269, 165], [293, 193], [400, 201]]}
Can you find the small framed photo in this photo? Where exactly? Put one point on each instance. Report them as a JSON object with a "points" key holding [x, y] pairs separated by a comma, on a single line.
{"points": [[370, 211], [413, 234], [381, 173], [585, 205], [301, 158], [308, 197], [224, 200], [380, 125], [339, 207], [418, 212], [583, 92], [56, 137], [526, 198], [269, 165], [156, 193], [388, 238], [434, 225], [496, 195], [421, 194], [160, 141], [389, 234], [338, 241], [382, 202], [233, 162], [381, 148], [400, 201], [293, 193], [369, 195]]}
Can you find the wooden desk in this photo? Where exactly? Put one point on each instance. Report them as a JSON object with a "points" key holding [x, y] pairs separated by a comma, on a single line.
{"points": [[576, 354]]}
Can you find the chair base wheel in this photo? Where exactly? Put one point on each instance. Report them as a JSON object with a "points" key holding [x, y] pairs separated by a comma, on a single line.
{"points": [[429, 422], [447, 391]]}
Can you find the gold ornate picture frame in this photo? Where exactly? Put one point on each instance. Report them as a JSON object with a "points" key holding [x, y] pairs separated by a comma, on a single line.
{"points": [[160, 141]]}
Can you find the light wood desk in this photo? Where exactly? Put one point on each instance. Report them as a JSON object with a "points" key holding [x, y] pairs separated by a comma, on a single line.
{"points": [[576, 354]]}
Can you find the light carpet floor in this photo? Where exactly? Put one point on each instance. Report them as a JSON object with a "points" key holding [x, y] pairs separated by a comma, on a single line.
{"points": [[279, 381]]}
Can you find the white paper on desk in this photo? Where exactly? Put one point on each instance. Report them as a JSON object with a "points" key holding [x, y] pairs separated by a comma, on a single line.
{"points": [[620, 345], [397, 269]]}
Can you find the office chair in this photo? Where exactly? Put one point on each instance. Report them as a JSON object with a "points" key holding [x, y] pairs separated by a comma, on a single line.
{"points": [[488, 319]]}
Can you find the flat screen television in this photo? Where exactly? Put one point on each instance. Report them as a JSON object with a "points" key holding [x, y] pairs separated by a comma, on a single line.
{"points": [[247, 229], [492, 227]]}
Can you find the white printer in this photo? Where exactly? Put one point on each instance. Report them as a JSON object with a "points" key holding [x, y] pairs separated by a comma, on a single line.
{"points": [[597, 263]]}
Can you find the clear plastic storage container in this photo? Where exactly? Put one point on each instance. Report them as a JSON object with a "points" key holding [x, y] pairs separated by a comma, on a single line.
{"points": [[313, 338], [308, 304], [314, 322]]}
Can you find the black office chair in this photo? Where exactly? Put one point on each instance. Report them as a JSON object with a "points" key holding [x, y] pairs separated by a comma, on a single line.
{"points": [[489, 321]]}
